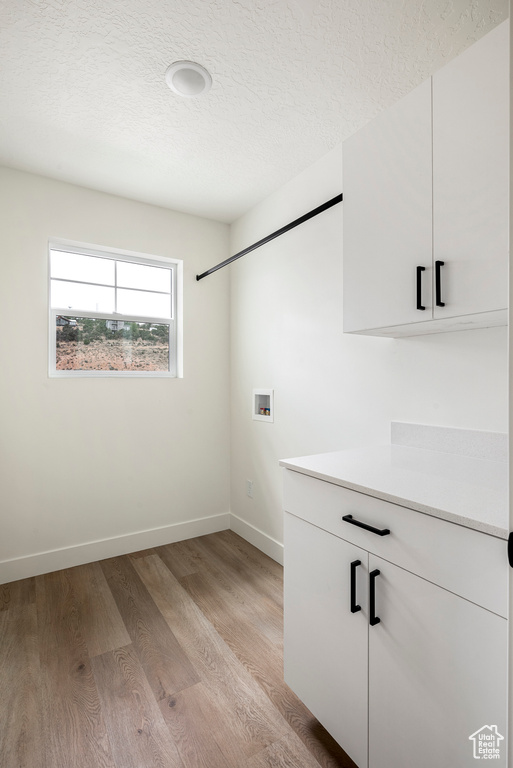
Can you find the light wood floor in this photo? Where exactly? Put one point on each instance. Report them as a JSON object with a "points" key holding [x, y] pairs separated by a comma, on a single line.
{"points": [[167, 658]]}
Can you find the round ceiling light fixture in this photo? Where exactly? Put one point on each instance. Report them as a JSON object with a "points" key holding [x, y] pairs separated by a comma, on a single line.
{"points": [[186, 78]]}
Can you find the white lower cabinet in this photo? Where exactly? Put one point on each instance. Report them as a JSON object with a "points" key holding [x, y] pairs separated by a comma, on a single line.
{"points": [[326, 658], [409, 677], [437, 674]]}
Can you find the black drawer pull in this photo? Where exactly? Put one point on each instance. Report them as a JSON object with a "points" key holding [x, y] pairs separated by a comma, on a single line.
{"points": [[377, 531], [354, 607], [438, 283], [420, 270], [373, 619]]}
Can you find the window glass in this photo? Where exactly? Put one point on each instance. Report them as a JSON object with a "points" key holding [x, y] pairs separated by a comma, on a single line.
{"points": [[143, 303], [87, 269], [93, 344], [141, 276], [93, 298]]}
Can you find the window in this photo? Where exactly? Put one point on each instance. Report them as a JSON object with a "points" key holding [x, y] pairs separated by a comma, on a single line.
{"points": [[112, 313]]}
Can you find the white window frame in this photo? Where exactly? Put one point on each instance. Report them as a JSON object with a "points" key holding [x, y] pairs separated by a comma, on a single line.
{"points": [[175, 323]]}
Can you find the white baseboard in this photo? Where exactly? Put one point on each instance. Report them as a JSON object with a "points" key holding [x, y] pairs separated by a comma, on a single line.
{"points": [[258, 538], [68, 557]]}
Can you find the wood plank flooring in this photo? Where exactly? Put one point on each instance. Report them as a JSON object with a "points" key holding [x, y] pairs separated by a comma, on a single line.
{"points": [[167, 658]]}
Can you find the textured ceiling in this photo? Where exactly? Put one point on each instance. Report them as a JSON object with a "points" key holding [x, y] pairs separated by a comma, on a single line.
{"points": [[83, 96]]}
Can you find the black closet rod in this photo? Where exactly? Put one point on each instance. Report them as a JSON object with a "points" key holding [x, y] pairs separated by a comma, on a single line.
{"points": [[286, 228]]}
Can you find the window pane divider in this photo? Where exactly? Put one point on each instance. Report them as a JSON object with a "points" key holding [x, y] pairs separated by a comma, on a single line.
{"points": [[67, 312], [113, 286], [142, 290]]}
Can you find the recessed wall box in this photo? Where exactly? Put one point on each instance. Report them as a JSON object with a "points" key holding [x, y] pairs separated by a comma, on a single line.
{"points": [[263, 405]]}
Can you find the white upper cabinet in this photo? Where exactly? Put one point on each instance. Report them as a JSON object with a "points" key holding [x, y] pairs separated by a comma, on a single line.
{"points": [[387, 214], [470, 177], [426, 203]]}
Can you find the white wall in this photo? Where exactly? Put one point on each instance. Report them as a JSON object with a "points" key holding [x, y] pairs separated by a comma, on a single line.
{"points": [[332, 390], [94, 459], [92, 468]]}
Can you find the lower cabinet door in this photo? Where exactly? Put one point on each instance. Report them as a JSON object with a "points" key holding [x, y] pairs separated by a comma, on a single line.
{"points": [[437, 676], [325, 643]]}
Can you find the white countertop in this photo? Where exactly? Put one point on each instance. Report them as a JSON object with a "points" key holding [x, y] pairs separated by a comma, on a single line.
{"points": [[461, 489]]}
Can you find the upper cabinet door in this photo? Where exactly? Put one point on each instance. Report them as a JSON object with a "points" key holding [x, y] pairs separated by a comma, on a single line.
{"points": [[470, 177], [387, 170]]}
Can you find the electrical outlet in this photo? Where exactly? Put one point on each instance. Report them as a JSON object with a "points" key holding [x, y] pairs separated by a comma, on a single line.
{"points": [[249, 488]]}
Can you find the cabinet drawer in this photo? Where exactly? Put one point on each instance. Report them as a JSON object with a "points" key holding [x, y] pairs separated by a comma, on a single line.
{"points": [[469, 563]]}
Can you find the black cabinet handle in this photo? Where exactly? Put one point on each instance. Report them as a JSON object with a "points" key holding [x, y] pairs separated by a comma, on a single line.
{"points": [[377, 531], [354, 607], [510, 549], [420, 270], [373, 619], [438, 283]]}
